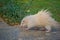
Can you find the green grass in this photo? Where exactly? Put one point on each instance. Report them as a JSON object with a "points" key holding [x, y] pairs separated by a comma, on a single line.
{"points": [[35, 5], [14, 10]]}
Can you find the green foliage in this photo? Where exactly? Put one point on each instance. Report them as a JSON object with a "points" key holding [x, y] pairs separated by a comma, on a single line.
{"points": [[13, 11]]}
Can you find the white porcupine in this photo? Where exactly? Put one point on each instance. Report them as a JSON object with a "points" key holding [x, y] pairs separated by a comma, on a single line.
{"points": [[42, 18]]}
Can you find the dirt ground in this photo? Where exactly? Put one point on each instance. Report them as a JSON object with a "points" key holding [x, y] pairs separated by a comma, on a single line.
{"points": [[35, 35]]}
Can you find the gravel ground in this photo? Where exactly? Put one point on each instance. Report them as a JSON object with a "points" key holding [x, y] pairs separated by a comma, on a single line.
{"points": [[34, 34]]}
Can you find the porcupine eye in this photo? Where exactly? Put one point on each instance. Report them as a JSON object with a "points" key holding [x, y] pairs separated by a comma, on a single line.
{"points": [[24, 23]]}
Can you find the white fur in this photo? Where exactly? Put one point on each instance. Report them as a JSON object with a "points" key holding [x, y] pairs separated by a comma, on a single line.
{"points": [[42, 18]]}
